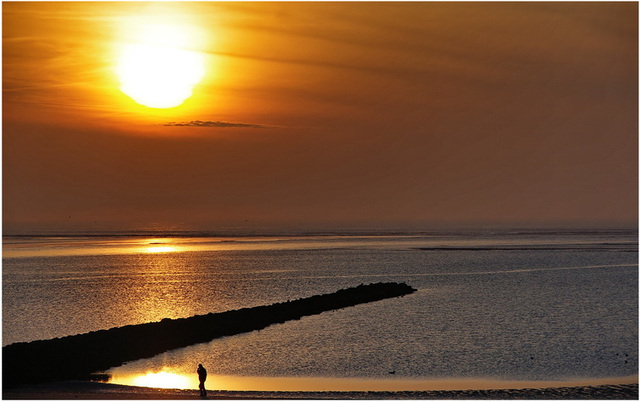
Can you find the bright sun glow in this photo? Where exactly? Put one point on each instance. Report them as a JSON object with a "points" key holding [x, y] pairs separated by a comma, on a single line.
{"points": [[162, 379], [156, 71]]}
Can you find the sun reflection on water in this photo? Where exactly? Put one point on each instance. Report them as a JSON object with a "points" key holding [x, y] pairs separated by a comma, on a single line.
{"points": [[158, 246], [160, 249], [162, 379]]}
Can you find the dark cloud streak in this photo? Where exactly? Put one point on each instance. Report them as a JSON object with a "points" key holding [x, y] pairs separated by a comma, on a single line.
{"points": [[207, 123]]}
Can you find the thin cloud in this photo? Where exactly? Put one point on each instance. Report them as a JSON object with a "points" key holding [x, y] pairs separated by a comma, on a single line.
{"points": [[207, 123]]}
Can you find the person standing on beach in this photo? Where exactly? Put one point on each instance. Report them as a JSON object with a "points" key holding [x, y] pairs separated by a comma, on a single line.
{"points": [[202, 376]]}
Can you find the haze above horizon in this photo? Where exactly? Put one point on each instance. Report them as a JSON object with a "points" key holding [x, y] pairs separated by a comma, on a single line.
{"points": [[324, 116]]}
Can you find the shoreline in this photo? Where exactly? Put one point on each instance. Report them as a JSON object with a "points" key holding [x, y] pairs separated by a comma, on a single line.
{"points": [[86, 390], [358, 384]]}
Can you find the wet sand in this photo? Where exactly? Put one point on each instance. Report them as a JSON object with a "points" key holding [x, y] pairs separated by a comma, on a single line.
{"points": [[92, 390]]}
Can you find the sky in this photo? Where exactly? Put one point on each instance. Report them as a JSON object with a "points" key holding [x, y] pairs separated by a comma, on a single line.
{"points": [[324, 116]]}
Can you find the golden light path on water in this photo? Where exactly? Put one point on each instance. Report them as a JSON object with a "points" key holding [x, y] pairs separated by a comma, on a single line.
{"points": [[162, 379], [172, 380], [160, 249]]}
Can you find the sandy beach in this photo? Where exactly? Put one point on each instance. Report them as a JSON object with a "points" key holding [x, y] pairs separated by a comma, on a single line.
{"points": [[93, 390]]}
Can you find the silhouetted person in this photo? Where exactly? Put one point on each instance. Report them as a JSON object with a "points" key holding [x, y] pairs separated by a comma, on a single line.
{"points": [[202, 376]]}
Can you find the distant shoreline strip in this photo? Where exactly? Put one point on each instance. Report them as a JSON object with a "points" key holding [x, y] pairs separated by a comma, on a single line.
{"points": [[631, 247]]}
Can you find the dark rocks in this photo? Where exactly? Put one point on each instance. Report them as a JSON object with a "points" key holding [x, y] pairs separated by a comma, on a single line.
{"points": [[76, 357]]}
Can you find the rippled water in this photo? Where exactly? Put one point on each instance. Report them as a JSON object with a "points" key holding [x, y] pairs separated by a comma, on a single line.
{"points": [[512, 306]]}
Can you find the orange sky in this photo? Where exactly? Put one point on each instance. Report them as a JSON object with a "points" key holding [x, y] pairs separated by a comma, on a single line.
{"points": [[325, 115]]}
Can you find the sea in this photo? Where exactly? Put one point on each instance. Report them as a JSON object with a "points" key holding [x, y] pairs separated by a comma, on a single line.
{"points": [[499, 305]]}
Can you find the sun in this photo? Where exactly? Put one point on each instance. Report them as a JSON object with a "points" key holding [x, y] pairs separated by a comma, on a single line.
{"points": [[157, 70]]}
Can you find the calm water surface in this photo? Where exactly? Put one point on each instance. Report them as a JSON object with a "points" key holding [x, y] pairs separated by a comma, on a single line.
{"points": [[507, 306]]}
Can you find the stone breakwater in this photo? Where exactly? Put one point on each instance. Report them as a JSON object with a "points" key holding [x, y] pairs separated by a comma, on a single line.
{"points": [[76, 357]]}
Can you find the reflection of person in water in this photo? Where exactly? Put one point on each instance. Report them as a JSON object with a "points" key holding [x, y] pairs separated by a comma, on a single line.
{"points": [[202, 376]]}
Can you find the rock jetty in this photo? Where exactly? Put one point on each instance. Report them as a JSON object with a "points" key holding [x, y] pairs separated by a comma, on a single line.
{"points": [[76, 357]]}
